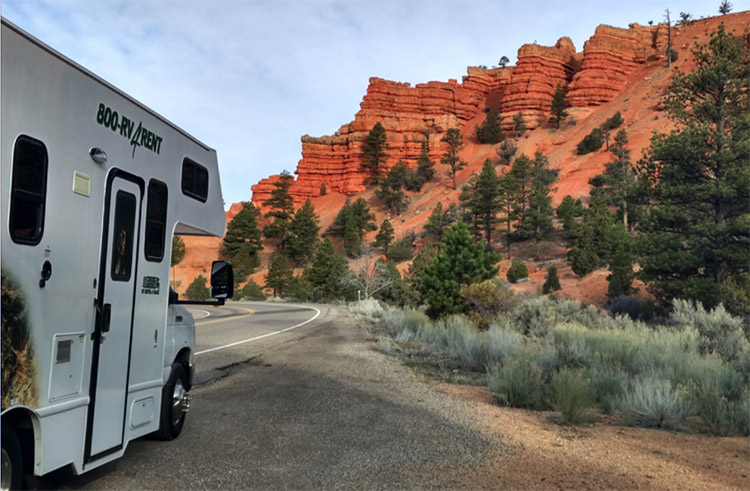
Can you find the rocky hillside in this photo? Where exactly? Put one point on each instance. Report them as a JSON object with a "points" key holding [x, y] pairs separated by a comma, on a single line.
{"points": [[619, 69]]}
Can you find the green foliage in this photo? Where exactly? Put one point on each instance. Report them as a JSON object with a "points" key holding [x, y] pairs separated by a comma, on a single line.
{"points": [[425, 170], [375, 153], [484, 200], [614, 122], [517, 383], [460, 262], [323, 189], [178, 250], [720, 332], [385, 236], [450, 158], [423, 259], [537, 221], [558, 107], [652, 402], [282, 208], [396, 291], [596, 239], [519, 125], [568, 210], [621, 274], [725, 7], [485, 300], [503, 61], [591, 142], [489, 131], [517, 271], [251, 291], [326, 272], [303, 234], [697, 228], [299, 289], [242, 241], [571, 395], [390, 191], [279, 274], [401, 250], [552, 283], [351, 223], [198, 289], [437, 224]]}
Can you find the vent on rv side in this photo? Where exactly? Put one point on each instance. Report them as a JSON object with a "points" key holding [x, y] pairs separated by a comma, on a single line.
{"points": [[156, 220], [194, 180], [28, 191]]}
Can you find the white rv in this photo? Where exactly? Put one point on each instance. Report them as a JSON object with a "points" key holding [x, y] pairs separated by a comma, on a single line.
{"points": [[95, 350]]}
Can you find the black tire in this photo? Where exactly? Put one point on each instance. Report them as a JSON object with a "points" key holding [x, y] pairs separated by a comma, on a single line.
{"points": [[12, 458], [172, 417]]}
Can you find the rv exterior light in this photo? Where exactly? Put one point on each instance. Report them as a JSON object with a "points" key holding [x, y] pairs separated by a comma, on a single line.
{"points": [[98, 155]]}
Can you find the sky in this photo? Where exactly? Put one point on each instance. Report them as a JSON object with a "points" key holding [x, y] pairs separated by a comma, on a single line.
{"points": [[250, 77]]}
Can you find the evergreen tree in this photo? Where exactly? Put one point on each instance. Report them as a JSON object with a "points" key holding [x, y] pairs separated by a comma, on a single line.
{"points": [[395, 290], [538, 221], [385, 236], [198, 289], [279, 274], [519, 125], [596, 238], [504, 60], [423, 259], [522, 178], [487, 202], [450, 158], [242, 241], [390, 188], [425, 167], [375, 153], [436, 225], [468, 201], [490, 131], [326, 272], [461, 262], [697, 225], [568, 210], [303, 233], [282, 208], [558, 107], [351, 223], [552, 283], [618, 181], [509, 192], [611, 124], [178, 250], [621, 272], [725, 7]]}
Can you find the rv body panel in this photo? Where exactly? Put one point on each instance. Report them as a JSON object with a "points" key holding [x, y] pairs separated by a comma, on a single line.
{"points": [[90, 341]]}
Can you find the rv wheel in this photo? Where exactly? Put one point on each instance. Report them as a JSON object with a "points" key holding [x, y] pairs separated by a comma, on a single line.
{"points": [[175, 402], [12, 464]]}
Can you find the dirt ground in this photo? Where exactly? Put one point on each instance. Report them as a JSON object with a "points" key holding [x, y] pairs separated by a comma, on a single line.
{"points": [[541, 454]]}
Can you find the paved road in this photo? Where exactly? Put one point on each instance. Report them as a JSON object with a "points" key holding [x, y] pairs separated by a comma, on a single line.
{"points": [[315, 407]]}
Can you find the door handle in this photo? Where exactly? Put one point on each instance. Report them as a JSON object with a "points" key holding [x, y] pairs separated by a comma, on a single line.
{"points": [[106, 316]]}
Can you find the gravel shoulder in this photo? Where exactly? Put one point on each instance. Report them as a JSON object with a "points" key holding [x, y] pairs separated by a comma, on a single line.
{"points": [[326, 409]]}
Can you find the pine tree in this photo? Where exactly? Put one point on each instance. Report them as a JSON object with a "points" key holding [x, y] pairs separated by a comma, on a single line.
{"points": [[242, 241], [487, 202], [490, 131], [384, 238], [437, 223], [618, 180], [552, 283], [178, 250], [282, 208], [351, 223], [519, 125], [468, 202], [450, 158], [522, 177], [621, 272], [558, 107], [390, 188], [596, 238], [279, 274], [461, 262], [326, 272], [197, 289], [725, 7], [611, 124], [538, 220], [568, 210], [303, 233], [509, 192], [425, 167], [375, 153], [697, 227]]}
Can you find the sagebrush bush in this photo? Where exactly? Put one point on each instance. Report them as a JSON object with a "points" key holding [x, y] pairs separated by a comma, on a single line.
{"points": [[719, 413], [720, 332], [517, 383], [369, 310], [501, 342], [652, 402], [607, 386], [571, 395], [464, 343]]}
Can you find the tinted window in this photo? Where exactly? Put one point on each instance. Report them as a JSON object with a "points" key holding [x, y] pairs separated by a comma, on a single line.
{"points": [[194, 180], [156, 220], [122, 238], [28, 191]]}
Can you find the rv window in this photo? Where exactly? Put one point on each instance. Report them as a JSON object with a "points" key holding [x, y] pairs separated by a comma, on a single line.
{"points": [[122, 237], [194, 180], [156, 221], [28, 191]]}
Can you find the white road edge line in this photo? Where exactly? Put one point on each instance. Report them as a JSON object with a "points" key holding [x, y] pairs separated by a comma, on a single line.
{"points": [[208, 314], [236, 343]]}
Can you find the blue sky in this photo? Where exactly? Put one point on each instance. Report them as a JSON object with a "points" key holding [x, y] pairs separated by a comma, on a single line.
{"points": [[249, 78]]}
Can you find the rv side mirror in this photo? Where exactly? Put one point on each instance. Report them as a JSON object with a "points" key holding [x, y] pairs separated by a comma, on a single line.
{"points": [[222, 280]]}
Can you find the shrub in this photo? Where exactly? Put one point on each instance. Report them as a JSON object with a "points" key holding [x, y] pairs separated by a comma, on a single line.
{"points": [[252, 291], [571, 396], [591, 142], [517, 383], [401, 250], [552, 283], [198, 289], [720, 332], [614, 122], [299, 289], [369, 310], [485, 300], [630, 306], [464, 343], [501, 342], [719, 413], [517, 271], [651, 402], [607, 386]]}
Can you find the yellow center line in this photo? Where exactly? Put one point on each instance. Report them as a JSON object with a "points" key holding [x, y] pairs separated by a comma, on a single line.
{"points": [[233, 317]]}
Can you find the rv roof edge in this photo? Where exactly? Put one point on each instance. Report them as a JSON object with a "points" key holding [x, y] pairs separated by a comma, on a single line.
{"points": [[88, 73]]}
